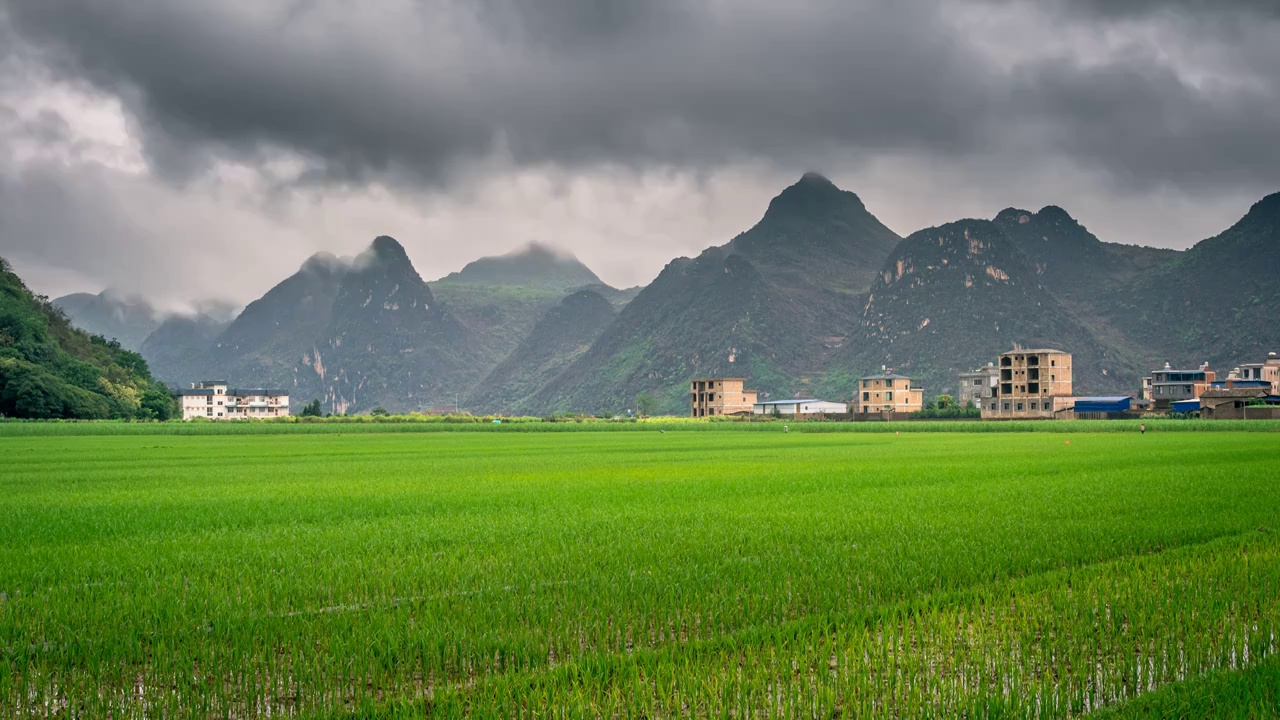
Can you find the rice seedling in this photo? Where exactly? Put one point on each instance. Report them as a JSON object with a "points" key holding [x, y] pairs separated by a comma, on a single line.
{"points": [[474, 574]]}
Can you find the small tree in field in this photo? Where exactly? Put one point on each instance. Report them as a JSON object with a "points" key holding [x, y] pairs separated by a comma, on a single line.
{"points": [[945, 402], [311, 409], [379, 412], [646, 405]]}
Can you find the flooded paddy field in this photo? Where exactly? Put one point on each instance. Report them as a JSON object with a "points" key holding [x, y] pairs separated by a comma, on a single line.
{"points": [[672, 574]]}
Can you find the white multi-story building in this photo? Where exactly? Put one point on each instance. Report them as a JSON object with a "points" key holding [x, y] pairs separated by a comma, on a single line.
{"points": [[214, 400]]}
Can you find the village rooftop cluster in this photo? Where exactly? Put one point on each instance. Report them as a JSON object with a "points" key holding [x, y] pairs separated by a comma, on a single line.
{"points": [[1020, 385]]}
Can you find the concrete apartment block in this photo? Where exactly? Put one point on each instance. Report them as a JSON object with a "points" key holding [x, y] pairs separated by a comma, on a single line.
{"points": [[887, 394], [709, 397]]}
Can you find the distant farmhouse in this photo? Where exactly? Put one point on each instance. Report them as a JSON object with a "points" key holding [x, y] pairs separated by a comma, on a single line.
{"points": [[214, 400], [1033, 384], [709, 397], [887, 395]]}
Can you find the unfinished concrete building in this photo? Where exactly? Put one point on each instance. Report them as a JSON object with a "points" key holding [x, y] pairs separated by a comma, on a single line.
{"points": [[709, 397], [1033, 384]]}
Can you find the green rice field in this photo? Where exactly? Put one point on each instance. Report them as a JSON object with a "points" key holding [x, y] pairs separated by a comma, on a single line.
{"points": [[653, 573]]}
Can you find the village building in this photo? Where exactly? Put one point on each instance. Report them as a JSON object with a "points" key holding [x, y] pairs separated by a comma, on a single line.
{"points": [[1238, 403], [800, 408], [710, 397], [1168, 386], [1104, 407], [1236, 380], [1268, 372], [887, 394], [1033, 384], [978, 386], [215, 400]]}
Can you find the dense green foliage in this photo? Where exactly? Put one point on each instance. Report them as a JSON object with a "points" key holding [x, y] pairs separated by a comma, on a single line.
{"points": [[766, 574], [945, 406], [49, 369]]}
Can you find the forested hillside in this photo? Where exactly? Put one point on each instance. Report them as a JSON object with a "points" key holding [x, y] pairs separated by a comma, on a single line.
{"points": [[48, 369]]}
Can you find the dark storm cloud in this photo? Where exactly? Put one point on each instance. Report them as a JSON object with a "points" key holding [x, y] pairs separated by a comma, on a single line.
{"points": [[1220, 8], [567, 82], [1141, 121], [413, 89], [619, 124]]}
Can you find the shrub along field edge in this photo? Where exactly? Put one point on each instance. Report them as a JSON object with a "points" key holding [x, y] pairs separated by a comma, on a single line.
{"points": [[426, 423]]}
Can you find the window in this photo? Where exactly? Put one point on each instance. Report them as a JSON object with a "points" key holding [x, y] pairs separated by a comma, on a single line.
{"points": [[1006, 407], [993, 406], [866, 396], [888, 397], [977, 383], [712, 411], [1053, 363], [866, 383], [1033, 406], [1019, 407], [711, 397]]}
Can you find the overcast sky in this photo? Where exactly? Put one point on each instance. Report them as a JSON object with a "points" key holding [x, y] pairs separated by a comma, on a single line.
{"points": [[185, 149]]}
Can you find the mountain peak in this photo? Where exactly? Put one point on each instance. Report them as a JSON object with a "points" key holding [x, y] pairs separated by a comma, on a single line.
{"points": [[384, 252], [323, 262], [533, 265], [812, 196], [1014, 215], [386, 247], [1053, 213], [816, 179], [538, 249]]}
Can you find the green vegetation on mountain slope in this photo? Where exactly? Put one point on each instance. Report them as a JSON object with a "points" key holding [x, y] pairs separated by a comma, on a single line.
{"points": [[48, 369], [560, 336]]}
